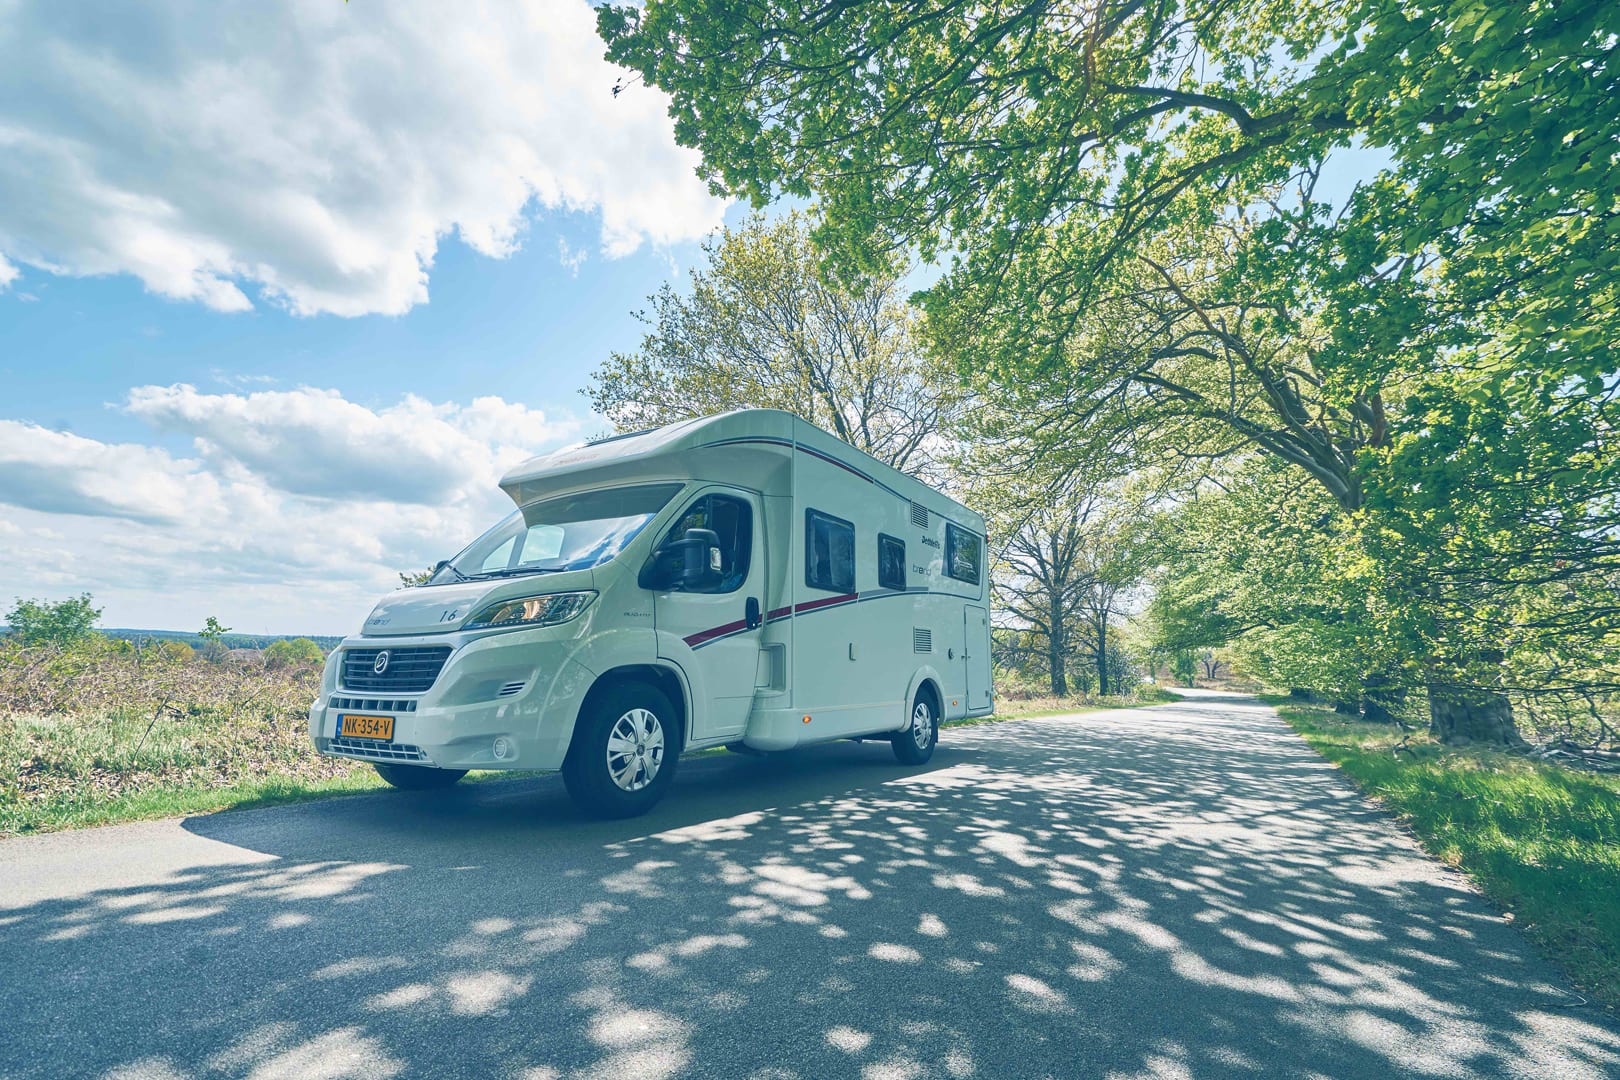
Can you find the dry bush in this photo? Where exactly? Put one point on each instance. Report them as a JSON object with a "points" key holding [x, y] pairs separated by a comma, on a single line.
{"points": [[117, 678], [84, 725]]}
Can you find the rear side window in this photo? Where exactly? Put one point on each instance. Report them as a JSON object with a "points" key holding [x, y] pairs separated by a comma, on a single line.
{"points": [[891, 562], [829, 552], [964, 551]]}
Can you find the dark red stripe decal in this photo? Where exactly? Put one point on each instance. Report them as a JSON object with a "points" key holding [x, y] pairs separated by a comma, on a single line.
{"points": [[804, 449], [825, 601], [703, 637], [840, 464], [694, 640]]}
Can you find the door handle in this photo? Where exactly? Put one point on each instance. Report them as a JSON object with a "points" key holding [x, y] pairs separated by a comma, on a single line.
{"points": [[751, 616]]}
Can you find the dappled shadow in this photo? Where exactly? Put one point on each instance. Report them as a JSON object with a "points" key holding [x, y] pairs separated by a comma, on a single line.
{"points": [[1180, 891]]}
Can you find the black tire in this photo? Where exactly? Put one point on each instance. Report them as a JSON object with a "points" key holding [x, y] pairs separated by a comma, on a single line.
{"points": [[418, 777], [602, 780], [911, 747]]}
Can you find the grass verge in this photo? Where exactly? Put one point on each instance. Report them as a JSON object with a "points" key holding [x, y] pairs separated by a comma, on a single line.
{"points": [[71, 770], [1542, 841], [1035, 707], [76, 810]]}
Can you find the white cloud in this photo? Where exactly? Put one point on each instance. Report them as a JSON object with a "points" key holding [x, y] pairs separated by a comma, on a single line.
{"points": [[570, 258], [316, 443], [318, 152], [296, 510], [8, 273], [58, 472]]}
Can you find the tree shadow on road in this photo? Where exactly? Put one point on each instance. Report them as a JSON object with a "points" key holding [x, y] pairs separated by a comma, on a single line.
{"points": [[1183, 892]]}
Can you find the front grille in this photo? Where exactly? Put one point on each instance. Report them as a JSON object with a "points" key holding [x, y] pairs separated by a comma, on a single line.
{"points": [[377, 704], [372, 750], [410, 670], [922, 640]]}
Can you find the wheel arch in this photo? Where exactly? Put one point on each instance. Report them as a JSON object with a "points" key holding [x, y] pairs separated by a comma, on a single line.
{"points": [[664, 678], [924, 681]]}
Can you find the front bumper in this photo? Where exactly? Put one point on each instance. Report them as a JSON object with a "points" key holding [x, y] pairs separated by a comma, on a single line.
{"points": [[516, 691]]}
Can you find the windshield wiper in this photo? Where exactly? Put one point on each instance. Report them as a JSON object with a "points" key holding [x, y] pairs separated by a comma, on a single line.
{"points": [[517, 571]]}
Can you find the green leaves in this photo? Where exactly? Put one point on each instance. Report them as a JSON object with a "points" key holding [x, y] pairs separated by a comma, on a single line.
{"points": [[1147, 249], [60, 623], [761, 326]]}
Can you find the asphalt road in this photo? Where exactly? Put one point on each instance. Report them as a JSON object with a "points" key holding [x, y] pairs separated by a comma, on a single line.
{"points": [[1178, 891]]}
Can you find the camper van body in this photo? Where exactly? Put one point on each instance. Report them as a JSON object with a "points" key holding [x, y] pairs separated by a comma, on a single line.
{"points": [[850, 592]]}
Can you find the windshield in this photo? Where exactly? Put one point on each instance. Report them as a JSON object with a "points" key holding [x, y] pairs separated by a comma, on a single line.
{"points": [[572, 532]]}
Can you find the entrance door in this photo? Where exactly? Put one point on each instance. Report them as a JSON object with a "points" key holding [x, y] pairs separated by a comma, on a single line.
{"points": [[976, 654], [713, 629]]}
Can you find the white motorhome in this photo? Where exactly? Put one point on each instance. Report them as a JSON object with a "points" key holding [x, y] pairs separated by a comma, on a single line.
{"points": [[741, 580]]}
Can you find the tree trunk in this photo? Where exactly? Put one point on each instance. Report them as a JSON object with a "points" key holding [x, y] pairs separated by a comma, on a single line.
{"points": [[1057, 665], [1102, 662], [1382, 699], [1347, 708], [1462, 715]]}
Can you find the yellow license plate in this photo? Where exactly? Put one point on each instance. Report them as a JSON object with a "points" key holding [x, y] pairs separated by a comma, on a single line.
{"points": [[356, 726]]}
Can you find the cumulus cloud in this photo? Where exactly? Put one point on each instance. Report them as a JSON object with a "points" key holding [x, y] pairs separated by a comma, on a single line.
{"points": [[8, 273], [315, 442], [298, 507], [58, 472], [317, 153]]}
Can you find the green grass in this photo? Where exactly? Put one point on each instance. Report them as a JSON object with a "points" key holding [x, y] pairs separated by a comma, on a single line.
{"points": [[1542, 841], [75, 810], [71, 770], [1034, 708]]}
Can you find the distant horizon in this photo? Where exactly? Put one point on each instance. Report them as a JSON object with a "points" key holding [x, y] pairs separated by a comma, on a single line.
{"points": [[6, 629]]}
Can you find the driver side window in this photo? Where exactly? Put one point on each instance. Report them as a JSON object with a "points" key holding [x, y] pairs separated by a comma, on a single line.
{"points": [[732, 520]]}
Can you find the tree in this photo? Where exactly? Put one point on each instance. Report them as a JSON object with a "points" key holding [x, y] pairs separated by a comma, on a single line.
{"points": [[1039, 583], [293, 652], [213, 645], [1090, 163], [1184, 666], [1067, 551], [62, 623], [409, 579], [760, 326], [1264, 562]]}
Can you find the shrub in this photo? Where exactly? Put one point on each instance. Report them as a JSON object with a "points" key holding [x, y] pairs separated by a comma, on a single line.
{"points": [[293, 652], [176, 651], [40, 622]]}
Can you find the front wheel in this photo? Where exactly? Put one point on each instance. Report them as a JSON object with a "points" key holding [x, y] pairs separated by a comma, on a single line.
{"points": [[624, 752], [418, 777], [915, 745]]}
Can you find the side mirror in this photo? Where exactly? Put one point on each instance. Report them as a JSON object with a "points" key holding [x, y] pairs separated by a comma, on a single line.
{"points": [[700, 559], [690, 562]]}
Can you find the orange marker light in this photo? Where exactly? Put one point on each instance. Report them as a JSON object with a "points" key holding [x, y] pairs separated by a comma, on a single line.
{"points": [[807, 719]]}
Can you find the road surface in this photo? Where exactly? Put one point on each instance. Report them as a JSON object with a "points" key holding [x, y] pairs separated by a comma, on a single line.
{"points": [[1179, 891]]}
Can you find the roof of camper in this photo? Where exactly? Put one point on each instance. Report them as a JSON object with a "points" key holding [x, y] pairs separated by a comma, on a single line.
{"points": [[773, 425]]}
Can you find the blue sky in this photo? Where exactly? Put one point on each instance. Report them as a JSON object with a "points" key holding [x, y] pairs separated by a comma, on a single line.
{"points": [[285, 288], [526, 327]]}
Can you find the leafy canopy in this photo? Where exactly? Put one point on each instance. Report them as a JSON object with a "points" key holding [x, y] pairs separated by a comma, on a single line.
{"points": [[759, 326], [43, 622]]}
